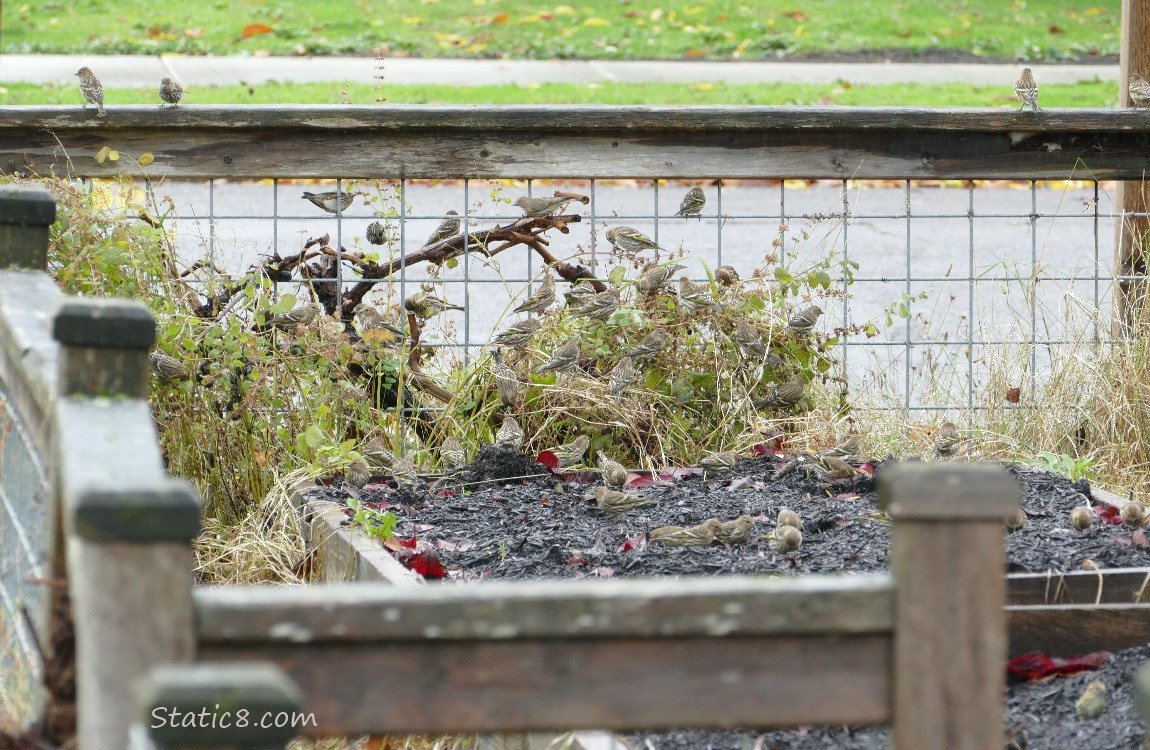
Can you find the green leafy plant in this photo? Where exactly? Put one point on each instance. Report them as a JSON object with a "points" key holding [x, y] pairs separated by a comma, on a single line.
{"points": [[379, 525], [1071, 467]]}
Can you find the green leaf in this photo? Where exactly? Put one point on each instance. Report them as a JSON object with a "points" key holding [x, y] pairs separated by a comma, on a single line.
{"points": [[285, 303], [783, 276], [618, 276]]}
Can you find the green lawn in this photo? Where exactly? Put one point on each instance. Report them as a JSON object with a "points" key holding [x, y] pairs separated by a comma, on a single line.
{"points": [[1093, 94], [620, 29]]}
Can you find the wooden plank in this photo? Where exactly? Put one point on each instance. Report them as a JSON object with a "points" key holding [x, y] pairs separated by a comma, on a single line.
{"points": [[345, 555], [1067, 630], [1129, 248], [1114, 586], [504, 610], [948, 491], [416, 141], [646, 683]]}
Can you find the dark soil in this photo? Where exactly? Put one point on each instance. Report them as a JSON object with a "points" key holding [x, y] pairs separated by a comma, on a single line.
{"points": [[489, 522]]}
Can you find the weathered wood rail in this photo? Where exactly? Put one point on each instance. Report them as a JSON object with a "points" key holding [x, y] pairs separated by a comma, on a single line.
{"points": [[439, 142]]}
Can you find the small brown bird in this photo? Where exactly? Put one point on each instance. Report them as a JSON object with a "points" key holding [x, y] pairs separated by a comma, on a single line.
{"points": [[1081, 518], [510, 434], [650, 347], [804, 320], [723, 461], [377, 455], [358, 474], [542, 206], [91, 89], [426, 305], [377, 233], [726, 275], [622, 376], [830, 469], [570, 454], [599, 306], [1017, 519], [749, 340], [788, 517], [1132, 513], [506, 381], [376, 328], [168, 369], [577, 295], [787, 394], [543, 297], [449, 227], [692, 203], [170, 91], [329, 200], [631, 240], [678, 536], [1026, 89], [785, 539], [518, 335], [452, 454], [1139, 91], [564, 359], [1092, 702], [404, 473], [654, 279], [297, 316], [613, 501], [948, 440], [737, 531], [692, 296], [614, 473], [849, 450]]}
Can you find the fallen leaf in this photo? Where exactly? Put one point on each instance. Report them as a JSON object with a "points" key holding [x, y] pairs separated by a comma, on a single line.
{"points": [[426, 563], [848, 496], [193, 33], [1140, 539], [1038, 666], [696, 53], [637, 542], [1055, 29], [255, 29], [548, 459], [796, 15], [578, 560], [501, 18], [1014, 394]]}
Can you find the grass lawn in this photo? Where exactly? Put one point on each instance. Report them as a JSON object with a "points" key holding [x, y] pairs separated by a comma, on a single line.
{"points": [[1092, 94], [617, 29]]}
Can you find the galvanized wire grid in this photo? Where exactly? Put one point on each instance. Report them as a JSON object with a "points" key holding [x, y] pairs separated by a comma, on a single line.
{"points": [[996, 280]]}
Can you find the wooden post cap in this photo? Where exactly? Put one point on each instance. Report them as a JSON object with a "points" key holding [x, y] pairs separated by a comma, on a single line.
{"points": [[104, 324], [1142, 693], [252, 705], [947, 491], [26, 206], [167, 510]]}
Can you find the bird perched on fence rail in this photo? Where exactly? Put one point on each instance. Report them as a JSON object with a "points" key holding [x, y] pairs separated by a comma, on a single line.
{"points": [[91, 89], [1026, 89], [692, 203], [328, 201], [170, 91]]}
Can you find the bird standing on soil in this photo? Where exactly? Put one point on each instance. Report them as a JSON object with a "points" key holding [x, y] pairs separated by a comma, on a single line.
{"points": [[614, 473], [358, 474], [543, 297], [519, 335], [91, 89], [694, 536], [452, 454], [167, 368], [1081, 518], [723, 461], [1132, 513], [449, 227], [785, 539], [1026, 89], [787, 394], [947, 441], [506, 381], [510, 434], [737, 531], [404, 473], [804, 320], [564, 359], [541, 206], [631, 240], [650, 347], [170, 91], [329, 200], [613, 501], [788, 517], [849, 450], [1139, 91], [692, 203], [426, 305], [831, 469], [571, 453], [656, 278], [622, 376]]}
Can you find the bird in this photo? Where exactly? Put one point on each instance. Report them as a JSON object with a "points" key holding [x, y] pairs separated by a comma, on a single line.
{"points": [[613, 501], [510, 434], [377, 455], [506, 381], [377, 233], [804, 320], [1081, 518], [831, 469], [947, 441], [358, 473], [849, 450], [785, 539], [571, 453], [654, 279], [564, 359], [722, 461], [737, 531], [404, 474], [376, 328], [1017, 519], [518, 335], [599, 306], [451, 453], [631, 240], [1092, 702], [449, 227], [167, 368], [692, 296], [694, 536], [726, 275], [692, 203], [1132, 513], [91, 89], [1026, 89], [170, 91], [1139, 91], [787, 394], [614, 473], [650, 347], [327, 201], [543, 297], [788, 517], [297, 316], [541, 206], [623, 374], [749, 339], [426, 305]]}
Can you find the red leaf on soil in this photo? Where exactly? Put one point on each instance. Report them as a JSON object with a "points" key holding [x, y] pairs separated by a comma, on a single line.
{"points": [[445, 493], [426, 563], [772, 445], [848, 496], [577, 560], [868, 468], [411, 543], [1108, 513], [635, 542], [548, 459], [1038, 666], [1014, 395], [1140, 539]]}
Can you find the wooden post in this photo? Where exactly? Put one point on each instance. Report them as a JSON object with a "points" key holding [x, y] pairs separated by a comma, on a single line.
{"points": [[245, 706], [1142, 700], [947, 560], [1132, 234], [128, 525], [25, 215]]}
